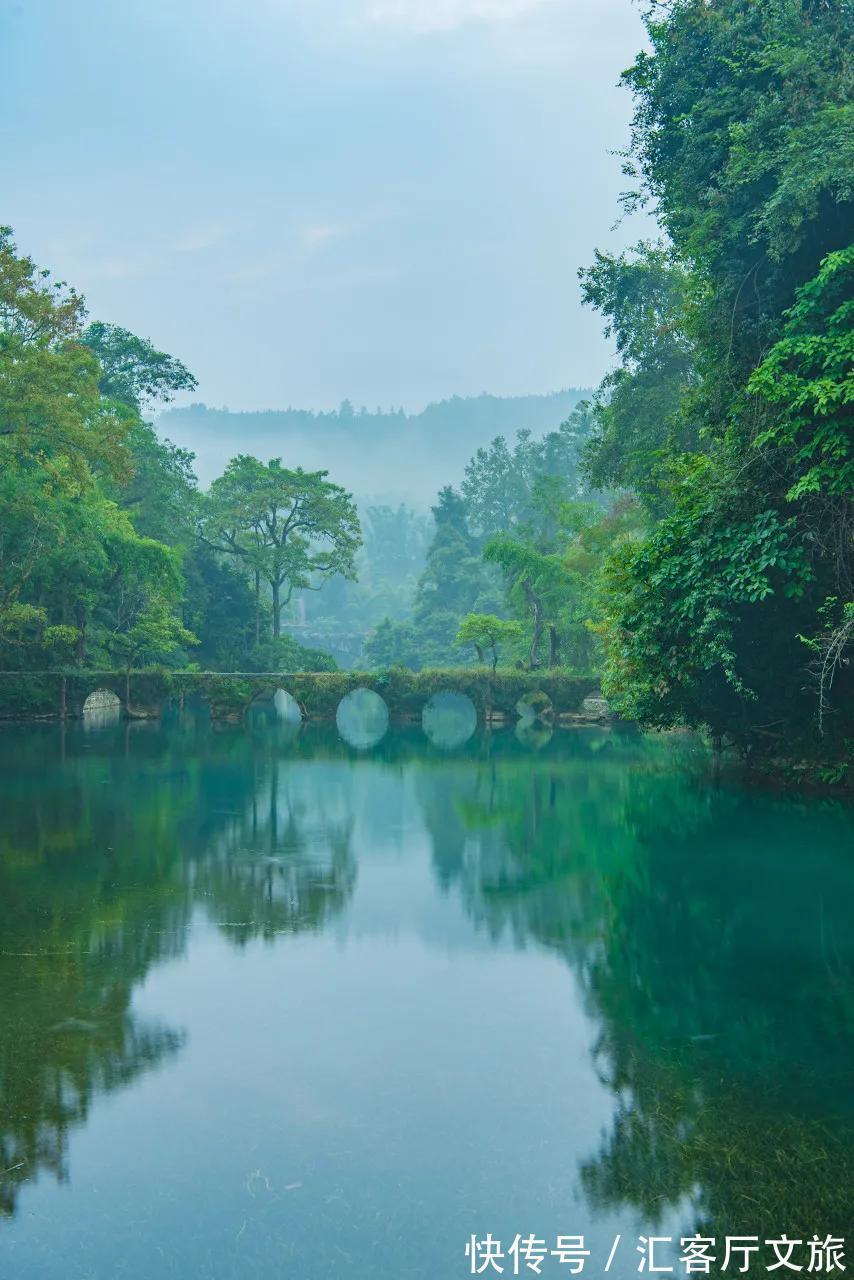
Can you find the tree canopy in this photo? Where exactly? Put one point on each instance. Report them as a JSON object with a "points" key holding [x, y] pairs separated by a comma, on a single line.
{"points": [[293, 529], [742, 142]]}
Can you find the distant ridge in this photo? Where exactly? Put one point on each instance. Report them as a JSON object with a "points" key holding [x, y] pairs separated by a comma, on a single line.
{"points": [[379, 455]]}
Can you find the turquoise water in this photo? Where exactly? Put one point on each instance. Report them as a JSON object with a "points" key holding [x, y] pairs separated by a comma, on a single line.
{"points": [[273, 1006]]}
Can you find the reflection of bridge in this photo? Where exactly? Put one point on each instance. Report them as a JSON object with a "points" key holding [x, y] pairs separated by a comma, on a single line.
{"points": [[145, 694]]}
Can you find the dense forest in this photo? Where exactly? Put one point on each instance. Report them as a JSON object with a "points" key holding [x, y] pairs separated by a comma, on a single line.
{"points": [[686, 531]]}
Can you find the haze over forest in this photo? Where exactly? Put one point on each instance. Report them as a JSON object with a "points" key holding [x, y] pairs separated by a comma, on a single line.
{"points": [[380, 455]]}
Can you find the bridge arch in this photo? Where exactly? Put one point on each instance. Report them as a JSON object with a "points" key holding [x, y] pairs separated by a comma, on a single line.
{"points": [[102, 708], [362, 718], [449, 719], [274, 706]]}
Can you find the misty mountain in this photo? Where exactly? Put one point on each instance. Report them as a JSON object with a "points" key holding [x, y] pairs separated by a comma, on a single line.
{"points": [[379, 455]]}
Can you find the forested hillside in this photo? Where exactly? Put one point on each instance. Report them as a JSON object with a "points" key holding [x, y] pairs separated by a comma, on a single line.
{"points": [[379, 454]]}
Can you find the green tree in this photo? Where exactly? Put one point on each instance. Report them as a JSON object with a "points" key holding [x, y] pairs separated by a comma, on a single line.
{"points": [[644, 297], [133, 372], [160, 493], [500, 482], [138, 618], [392, 644], [292, 529], [219, 608], [51, 409], [808, 378], [81, 477], [486, 631], [741, 138], [454, 582]]}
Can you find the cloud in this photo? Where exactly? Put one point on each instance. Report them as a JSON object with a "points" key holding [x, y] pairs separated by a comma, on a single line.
{"points": [[195, 239], [321, 233], [444, 15]]}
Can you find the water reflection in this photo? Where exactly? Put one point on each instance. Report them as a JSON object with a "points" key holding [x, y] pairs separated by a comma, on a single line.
{"points": [[287, 707], [101, 710], [712, 934], [533, 733], [449, 719], [281, 862], [704, 933], [362, 719]]}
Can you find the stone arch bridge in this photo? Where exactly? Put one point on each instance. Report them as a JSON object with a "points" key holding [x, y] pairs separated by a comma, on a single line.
{"points": [[146, 694]]}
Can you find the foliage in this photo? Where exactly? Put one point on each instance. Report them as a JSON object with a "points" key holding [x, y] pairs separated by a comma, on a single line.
{"points": [[284, 653], [644, 298], [513, 504], [454, 582], [741, 138], [808, 375], [679, 604], [51, 410], [486, 631], [98, 514], [160, 495], [292, 529], [133, 372], [389, 564], [552, 569], [500, 484]]}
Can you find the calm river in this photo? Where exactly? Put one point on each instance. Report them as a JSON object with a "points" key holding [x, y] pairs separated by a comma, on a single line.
{"points": [[271, 1006]]}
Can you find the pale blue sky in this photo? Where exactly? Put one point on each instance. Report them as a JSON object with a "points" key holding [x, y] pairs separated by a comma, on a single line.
{"points": [[312, 199]]}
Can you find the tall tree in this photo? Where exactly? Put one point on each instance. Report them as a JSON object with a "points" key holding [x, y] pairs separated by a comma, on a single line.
{"points": [[500, 480], [76, 577], [292, 529], [454, 582], [51, 408], [644, 298], [160, 492]]}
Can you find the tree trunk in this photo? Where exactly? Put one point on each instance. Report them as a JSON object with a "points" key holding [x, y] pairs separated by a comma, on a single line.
{"points": [[277, 610], [481, 656], [554, 645], [537, 619], [494, 658], [80, 647], [257, 607]]}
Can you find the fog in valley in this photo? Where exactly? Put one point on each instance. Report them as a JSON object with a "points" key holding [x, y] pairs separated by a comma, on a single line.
{"points": [[380, 455]]}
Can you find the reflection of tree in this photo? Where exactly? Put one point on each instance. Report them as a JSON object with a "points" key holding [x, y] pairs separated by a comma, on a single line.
{"points": [[526, 836], [277, 866], [83, 916], [711, 932], [75, 1038], [103, 854], [726, 988]]}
